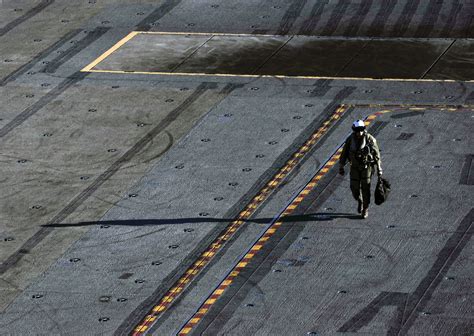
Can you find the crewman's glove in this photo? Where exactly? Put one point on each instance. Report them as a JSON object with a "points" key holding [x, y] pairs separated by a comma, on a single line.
{"points": [[380, 173], [341, 170]]}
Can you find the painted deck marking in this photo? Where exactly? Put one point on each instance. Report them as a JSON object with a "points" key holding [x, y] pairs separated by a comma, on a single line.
{"points": [[90, 67], [215, 246], [196, 318]]}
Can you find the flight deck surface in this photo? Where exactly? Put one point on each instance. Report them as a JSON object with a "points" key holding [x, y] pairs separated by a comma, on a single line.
{"points": [[171, 167]]}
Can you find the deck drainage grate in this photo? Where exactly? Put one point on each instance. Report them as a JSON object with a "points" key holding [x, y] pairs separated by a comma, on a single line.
{"points": [[405, 136]]}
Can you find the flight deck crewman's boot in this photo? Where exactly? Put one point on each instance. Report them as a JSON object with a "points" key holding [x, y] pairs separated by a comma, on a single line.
{"points": [[359, 207], [365, 213]]}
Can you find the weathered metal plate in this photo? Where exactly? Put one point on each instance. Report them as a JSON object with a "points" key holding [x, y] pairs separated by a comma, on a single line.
{"points": [[404, 58], [233, 54], [153, 52], [311, 56], [457, 63]]}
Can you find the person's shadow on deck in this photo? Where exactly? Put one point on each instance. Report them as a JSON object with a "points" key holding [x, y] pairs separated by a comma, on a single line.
{"points": [[313, 217]]}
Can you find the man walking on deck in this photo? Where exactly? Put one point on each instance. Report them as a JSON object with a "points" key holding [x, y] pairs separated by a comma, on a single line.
{"points": [[362, 152]]}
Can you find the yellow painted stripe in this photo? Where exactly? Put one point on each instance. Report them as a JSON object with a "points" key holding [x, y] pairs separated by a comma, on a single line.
{"points": [[201, 74], [120, 43]]}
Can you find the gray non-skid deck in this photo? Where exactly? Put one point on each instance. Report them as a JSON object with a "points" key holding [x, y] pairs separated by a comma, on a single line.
{"points": [[113, 184]]}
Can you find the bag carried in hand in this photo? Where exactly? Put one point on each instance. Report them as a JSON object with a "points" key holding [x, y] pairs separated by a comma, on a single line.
{"points": [[381, 191]]}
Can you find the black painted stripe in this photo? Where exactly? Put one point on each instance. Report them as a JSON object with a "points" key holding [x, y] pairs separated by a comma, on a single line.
{"points": [[29, 14], [446, 257], [456, 8], [71, 52], [429, 19], [28, 66], [358, 19], [405, 18], [289, 18], [378, 24], [310, 24], [262, 180], [147, 23], [42, 233], [407, 114], [45, 100], [467, 172], [336, 17], [408, 304]]}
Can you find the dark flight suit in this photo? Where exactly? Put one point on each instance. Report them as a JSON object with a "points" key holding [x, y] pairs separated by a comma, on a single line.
{"points": [[363, 161]]}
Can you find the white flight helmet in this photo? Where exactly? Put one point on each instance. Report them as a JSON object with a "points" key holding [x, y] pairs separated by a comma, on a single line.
{"points": [[358, 125]]}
